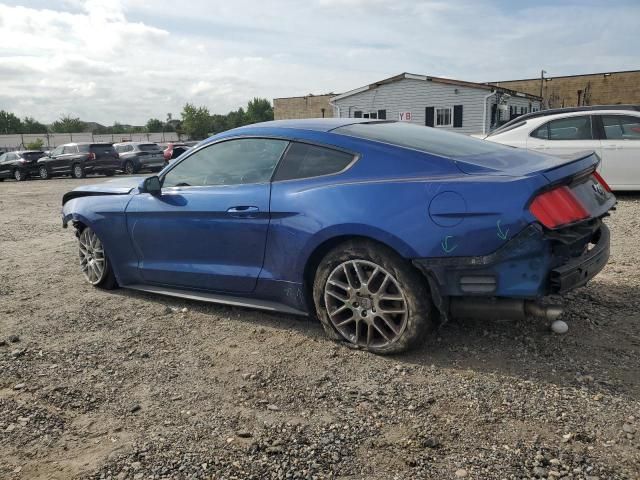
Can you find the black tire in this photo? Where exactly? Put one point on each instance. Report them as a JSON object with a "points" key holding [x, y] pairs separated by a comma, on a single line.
{"points": [[420, 316], [107, 279], [44, 173], [77, 171], [129, 168], [19, 175]]}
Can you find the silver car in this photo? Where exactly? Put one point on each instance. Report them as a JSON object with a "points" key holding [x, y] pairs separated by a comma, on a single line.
{"points": [[137, 156]]}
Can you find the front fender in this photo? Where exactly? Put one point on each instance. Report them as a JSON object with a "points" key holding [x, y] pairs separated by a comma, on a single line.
{"points": [[105, 215]]}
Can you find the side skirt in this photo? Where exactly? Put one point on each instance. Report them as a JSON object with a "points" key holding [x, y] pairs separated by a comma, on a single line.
{"points": [[219, 298]]}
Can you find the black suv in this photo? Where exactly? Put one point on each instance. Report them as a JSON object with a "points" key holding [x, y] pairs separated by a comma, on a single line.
{"points": [[19, 165], [78, 159], [136, 156]]}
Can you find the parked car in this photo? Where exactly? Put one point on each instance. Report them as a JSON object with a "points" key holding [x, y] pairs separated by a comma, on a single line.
{"points": [[19, 165], [174, 150], [138, 156], [381, 229], [79, 159], [614, 134]]}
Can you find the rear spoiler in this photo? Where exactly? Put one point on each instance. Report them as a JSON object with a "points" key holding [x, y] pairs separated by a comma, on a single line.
{"points": [[575, 165]]}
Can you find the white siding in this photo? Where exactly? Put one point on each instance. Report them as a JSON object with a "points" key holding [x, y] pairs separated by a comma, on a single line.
{"points": [[411, 95]]}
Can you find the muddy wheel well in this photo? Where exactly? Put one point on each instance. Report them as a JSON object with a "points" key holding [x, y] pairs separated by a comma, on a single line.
{"points": [[79, 226]]}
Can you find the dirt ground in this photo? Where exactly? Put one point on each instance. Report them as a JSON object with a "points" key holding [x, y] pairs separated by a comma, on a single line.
{"points": [[126, 385]]}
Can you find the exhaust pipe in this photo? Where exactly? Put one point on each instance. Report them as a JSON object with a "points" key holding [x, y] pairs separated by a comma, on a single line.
{"points": [[501, 309]]}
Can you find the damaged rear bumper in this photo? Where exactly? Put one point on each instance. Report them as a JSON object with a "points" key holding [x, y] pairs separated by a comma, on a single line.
{"points": [[533, 264]]}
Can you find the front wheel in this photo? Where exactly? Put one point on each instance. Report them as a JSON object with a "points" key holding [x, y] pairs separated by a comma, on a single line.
{"points": [[44, 173], [94, 262], [77, 171], [129, 168], [19, 175], [367, 295]]}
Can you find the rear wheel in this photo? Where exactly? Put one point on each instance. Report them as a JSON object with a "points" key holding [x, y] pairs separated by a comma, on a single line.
{"points": [[77, 171], [44, 173], [372, 298], [19, 175], [94, 262], [129, 168]]}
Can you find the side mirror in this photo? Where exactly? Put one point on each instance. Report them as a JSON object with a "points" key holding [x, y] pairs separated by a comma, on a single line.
{"points": [[152, 185]]}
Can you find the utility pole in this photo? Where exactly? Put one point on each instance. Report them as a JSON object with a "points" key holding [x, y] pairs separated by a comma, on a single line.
{"points": [[542, 72]]}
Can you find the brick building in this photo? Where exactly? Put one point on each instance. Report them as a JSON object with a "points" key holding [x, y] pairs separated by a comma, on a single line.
{"points": [[606, 88], [309, 106]]}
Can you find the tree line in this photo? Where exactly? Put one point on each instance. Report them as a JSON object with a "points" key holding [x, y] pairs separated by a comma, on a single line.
{"points": [[196, 122]]}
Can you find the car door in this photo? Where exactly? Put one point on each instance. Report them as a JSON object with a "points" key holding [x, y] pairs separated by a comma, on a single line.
{"points": [[4, 168], [207, 229], [565, 136], [621, 151], [54, 162]]}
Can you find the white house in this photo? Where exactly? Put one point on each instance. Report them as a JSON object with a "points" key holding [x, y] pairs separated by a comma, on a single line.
{"points": [[456, 105]]}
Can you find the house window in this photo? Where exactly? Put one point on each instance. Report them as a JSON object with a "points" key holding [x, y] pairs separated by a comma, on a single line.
{"points": [[357, 114], [373, 115], [382, 114], [444, 117]]}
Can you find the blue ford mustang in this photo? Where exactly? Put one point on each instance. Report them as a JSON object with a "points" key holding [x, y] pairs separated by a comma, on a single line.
{"points": [[380, 229]]}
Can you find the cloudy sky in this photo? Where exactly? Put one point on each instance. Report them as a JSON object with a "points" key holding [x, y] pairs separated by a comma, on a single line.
{"points": [[129, 60]]}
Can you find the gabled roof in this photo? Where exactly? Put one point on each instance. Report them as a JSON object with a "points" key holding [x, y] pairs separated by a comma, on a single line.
{"points": [[425, 78]]}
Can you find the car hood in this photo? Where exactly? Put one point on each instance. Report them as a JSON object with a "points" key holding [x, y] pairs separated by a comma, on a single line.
{"points": [[117, 186]]}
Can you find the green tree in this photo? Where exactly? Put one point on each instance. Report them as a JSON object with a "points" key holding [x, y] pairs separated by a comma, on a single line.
{"points": [[154, 125], [31, 125], [218, 123], [37, 144], [9, 123], [68, 124], [259, 110], [195, 121], [236, 118]]}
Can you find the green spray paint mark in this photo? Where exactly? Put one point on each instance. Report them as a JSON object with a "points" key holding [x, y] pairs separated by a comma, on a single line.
{"points": [[500, 233], [445, 245]]}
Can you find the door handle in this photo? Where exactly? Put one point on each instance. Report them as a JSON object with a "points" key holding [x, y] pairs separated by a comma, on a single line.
{"points": [[242, 210]]}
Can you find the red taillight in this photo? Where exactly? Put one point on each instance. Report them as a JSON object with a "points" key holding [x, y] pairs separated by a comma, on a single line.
{"points": [[601, 181], [558, 207], [92, 156]]}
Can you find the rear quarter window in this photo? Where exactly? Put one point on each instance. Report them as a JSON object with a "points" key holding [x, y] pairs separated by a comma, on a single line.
{"points": [[306, 161]]}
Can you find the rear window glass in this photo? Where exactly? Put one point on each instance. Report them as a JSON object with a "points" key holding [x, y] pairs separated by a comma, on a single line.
{"points": [[424, 139], [148, 147], [32, 155], [305, 161], [100, 147]]}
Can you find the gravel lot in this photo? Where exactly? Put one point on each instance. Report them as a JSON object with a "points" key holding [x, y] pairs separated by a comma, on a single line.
{"points": [[126, 385]]}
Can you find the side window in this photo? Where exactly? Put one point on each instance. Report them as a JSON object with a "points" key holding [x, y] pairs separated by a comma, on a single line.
{"points": [[70, 149], [621, 127], [541, 132], [233, 162], [571, 128], [56, 151], [305, 161], [11, 156]]}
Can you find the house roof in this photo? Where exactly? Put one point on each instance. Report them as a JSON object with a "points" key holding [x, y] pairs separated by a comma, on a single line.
{"points": [[448, 81]]}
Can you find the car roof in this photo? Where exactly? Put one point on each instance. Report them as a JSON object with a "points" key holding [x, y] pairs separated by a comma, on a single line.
{"points": [[315, 124], [135, 143]]}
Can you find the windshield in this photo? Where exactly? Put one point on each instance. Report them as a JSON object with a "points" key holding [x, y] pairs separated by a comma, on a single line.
{"points": [[425, 139]]}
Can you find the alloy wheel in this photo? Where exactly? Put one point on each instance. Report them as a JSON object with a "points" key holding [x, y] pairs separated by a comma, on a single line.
{"points": [[92, 258], [18, 175], [77, 171], [128, 168], [366, 304], [44, 173]]}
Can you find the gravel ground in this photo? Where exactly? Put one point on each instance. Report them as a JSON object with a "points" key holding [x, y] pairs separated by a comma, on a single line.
{"points": [[126, 385]]}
